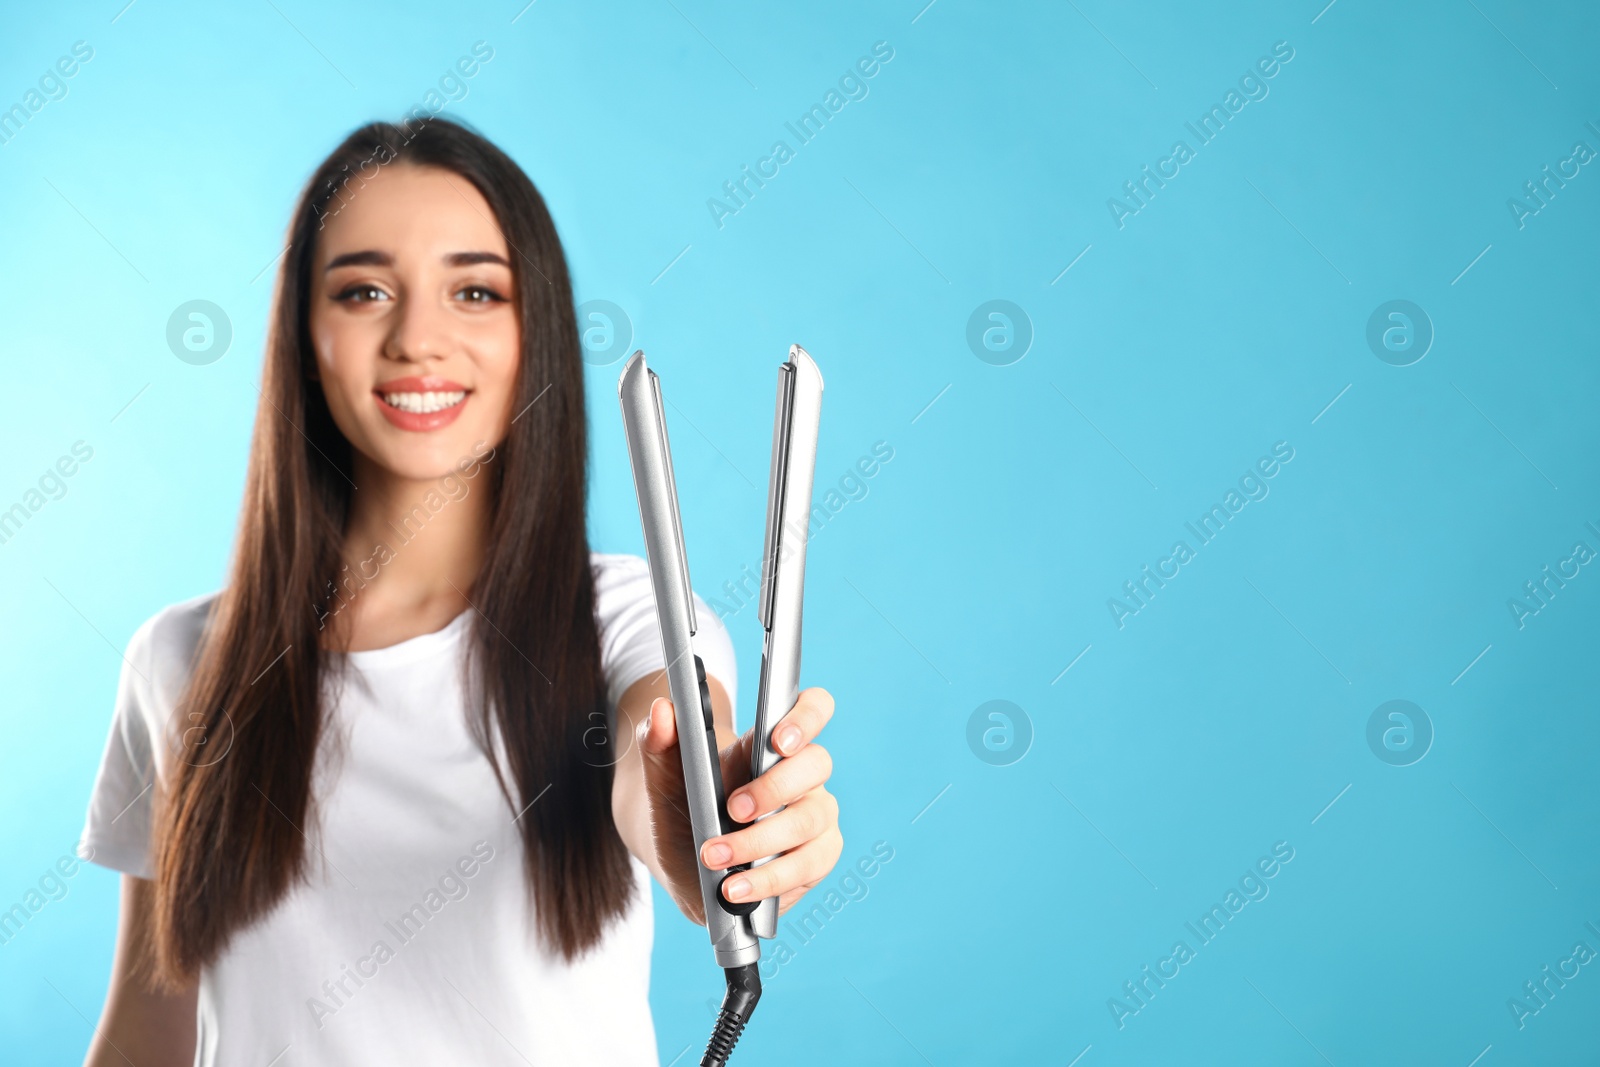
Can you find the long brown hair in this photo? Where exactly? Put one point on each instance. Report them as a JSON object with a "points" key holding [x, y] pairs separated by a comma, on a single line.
{"points": [[228, 832]]}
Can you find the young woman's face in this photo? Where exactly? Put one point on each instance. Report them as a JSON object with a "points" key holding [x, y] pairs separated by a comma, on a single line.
{"points": [[414, 321]]}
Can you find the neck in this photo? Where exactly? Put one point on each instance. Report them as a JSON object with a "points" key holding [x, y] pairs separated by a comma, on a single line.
{"points": [[411, 551]]}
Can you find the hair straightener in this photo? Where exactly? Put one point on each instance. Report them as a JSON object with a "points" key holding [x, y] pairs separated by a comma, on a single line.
{"points": [[734, 927]]}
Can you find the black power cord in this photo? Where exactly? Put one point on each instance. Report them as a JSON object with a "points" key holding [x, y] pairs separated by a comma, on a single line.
{"points": [[744, 989]]}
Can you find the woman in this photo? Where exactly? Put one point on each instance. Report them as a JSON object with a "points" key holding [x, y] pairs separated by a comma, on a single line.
{"points": [[395, 794]]}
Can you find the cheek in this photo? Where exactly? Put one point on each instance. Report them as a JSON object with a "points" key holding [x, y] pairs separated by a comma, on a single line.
{"points": [[503, 352], [499, 354], [343, 369], [333, 356], [328, 338]]}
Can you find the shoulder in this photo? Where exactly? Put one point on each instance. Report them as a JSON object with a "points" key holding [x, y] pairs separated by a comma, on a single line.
{"points": [[175, 631], [630, 634], [617, 570], [162, 650], [622, 589], [156, 666]]}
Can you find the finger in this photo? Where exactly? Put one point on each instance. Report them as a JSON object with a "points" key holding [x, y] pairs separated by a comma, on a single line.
{"points": [[792, 897], [658, 746], [808, 864], [788, 780], [808, 817], [804, 721], [658, 734]]}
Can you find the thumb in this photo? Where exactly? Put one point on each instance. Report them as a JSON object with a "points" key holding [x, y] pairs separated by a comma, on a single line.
{"points": [[658, 734]]}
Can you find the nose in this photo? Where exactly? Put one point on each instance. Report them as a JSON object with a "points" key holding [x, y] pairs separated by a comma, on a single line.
{"points": [[419, 332]]}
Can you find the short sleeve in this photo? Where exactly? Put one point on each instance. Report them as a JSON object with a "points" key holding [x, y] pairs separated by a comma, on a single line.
{"points": [[630, 634], [155, 672], [116, 832]]}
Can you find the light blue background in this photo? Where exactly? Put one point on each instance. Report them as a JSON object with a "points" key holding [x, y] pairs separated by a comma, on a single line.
{"points": [[1224, 317]]}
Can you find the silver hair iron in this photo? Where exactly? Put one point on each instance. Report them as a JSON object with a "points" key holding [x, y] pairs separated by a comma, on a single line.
{"points": [[734, 927], [783, 569]]}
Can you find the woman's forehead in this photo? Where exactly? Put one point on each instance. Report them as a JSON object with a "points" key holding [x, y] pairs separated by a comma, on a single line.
{"points": [[410, 213]]}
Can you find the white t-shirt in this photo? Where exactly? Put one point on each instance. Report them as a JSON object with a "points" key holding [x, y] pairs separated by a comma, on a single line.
{"points": [[412, 944]]}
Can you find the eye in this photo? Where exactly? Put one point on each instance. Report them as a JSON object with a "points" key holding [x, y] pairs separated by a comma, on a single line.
{"points": [[479, 294], [361, 293]]}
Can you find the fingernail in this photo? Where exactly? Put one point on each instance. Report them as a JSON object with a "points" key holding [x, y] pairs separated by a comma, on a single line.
{"points": [[738, 889], [788, 738], [718, 855], [741, 807]]}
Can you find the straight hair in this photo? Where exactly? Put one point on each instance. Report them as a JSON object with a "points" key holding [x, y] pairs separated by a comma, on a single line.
{"points": [[228, 841]]}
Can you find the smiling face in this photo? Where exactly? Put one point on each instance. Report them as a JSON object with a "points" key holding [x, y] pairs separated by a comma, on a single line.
{"points": [[414, 320]]}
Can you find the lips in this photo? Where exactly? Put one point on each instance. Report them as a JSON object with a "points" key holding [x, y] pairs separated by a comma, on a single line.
{"points": [[421, 404]]}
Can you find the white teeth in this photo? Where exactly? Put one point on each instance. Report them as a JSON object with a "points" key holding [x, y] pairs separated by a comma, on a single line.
{"points": [[424, 403]]}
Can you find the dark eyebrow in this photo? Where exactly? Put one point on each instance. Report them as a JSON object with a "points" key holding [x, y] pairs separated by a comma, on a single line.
{"points": [[368, 258], [373, 258], [467, 259]]}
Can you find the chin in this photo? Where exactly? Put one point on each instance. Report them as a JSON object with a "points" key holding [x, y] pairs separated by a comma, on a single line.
{"points": [[428, 460]]}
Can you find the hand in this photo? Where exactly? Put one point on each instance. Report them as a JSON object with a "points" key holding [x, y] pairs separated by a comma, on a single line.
{"points": [[806, 832]]}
